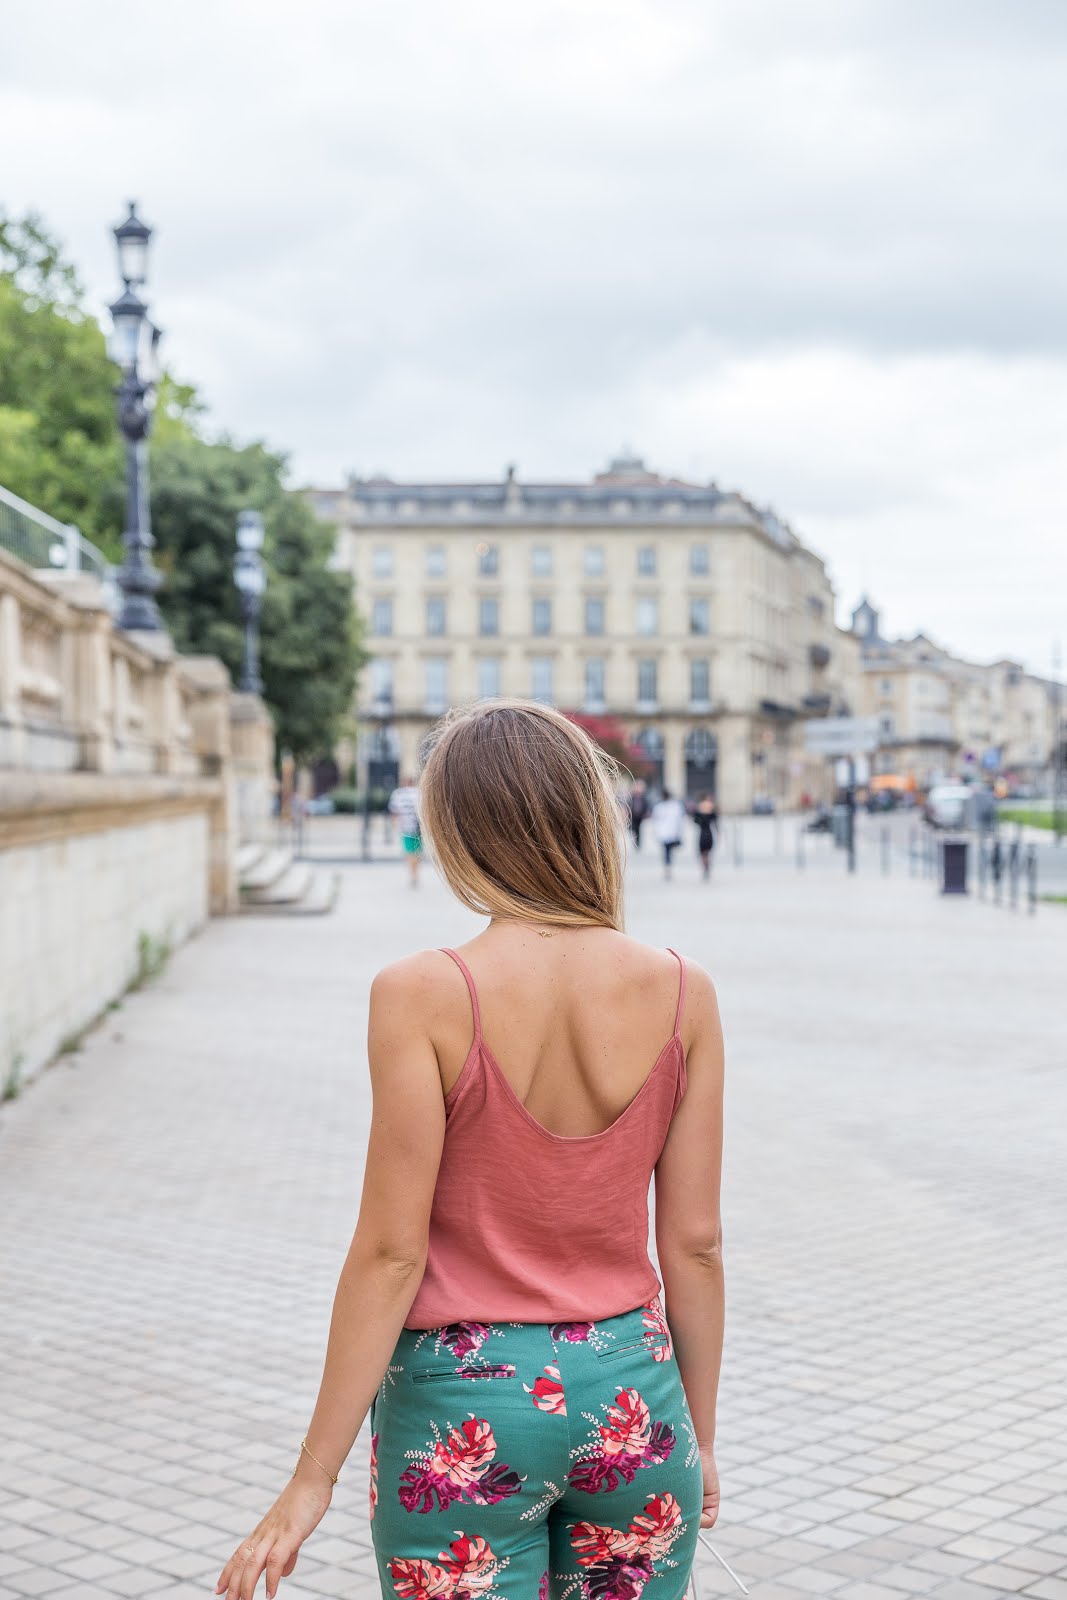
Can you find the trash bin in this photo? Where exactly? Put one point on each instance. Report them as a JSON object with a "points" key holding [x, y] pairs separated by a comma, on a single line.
{"points": [[954, 866]]}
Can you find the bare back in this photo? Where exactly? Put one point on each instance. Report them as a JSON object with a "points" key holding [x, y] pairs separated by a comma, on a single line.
{"points": [[575, 1022]]}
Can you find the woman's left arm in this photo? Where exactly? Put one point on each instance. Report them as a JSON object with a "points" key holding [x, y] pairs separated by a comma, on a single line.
{"points": [[381, 1274]]}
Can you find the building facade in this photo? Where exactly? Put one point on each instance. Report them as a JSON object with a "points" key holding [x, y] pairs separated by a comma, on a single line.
{"points": [[940, 716], [698, 620]]}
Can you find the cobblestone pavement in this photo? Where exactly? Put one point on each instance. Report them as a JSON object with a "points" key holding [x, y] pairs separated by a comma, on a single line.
{"points": [[177, 1199]]}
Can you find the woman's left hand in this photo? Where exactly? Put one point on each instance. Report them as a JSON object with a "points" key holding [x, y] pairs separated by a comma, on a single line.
{"points": [[274, 1544]]}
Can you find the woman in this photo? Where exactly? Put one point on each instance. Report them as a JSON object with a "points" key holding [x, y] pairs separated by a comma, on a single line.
{"points": [[539, 1427], [706, 818]]}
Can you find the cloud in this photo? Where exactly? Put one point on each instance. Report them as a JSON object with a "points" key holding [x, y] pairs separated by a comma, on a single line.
{"points": [[812, 246]]}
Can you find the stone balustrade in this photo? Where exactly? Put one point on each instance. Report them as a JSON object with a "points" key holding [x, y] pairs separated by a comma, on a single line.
{"points": [[129, 775]]}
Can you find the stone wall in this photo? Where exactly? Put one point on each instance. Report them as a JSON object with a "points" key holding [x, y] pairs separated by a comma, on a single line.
{"points": [[129, 775]]}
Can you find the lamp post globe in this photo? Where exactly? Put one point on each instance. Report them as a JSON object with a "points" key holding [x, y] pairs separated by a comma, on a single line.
{"points": [[134, 347]]}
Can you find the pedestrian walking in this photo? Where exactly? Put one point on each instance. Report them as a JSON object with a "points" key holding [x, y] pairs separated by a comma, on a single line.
{"points": [[539, 1423], [706, 817], [638, 810], [668, 819], [404, 806]]}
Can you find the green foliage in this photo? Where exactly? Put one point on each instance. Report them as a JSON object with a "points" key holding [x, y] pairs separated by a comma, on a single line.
{"points": [[309, 645], [11, 1087], [60, 449], [152, 956], [1029, 818], [59, 446]]}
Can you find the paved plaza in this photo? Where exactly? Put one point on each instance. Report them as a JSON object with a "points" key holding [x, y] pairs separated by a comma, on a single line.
{"points": [[177, 1199]]}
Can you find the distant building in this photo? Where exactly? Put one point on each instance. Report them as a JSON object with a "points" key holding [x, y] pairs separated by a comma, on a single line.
{"points": [[942, 716], [694, 616]]}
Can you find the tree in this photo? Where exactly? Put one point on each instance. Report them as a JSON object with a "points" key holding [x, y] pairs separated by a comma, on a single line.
{"points": [[611, 735], [309, 635], [60, 448]]}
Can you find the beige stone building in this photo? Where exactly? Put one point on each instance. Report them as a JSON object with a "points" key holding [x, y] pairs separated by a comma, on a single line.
{"points": [[698, 620], [941, 716]]}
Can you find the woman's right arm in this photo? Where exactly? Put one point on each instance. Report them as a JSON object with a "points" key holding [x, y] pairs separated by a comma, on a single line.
{"points": [[689, 1225]]}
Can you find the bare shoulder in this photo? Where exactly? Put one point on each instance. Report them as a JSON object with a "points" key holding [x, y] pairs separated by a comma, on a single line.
{"points": [[701, 1022], [420, 986]]}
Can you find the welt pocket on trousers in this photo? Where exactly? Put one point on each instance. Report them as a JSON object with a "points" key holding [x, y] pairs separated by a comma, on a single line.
{"points": [[614, 1350], [470, 1375]]}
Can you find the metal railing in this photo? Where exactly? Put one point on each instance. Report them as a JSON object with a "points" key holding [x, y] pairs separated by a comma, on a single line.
{"points": [[43, 542]]}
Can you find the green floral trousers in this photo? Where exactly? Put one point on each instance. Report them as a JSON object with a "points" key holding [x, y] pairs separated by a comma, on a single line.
{"points": [[522, 1461]]}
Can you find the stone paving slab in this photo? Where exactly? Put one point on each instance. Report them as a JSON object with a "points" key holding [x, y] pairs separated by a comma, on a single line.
{"points": [[177, 1200]]}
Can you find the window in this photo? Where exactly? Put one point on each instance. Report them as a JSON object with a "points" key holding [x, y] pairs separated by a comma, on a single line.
{"points": [[381, 681], [542, 616], [593, 562], [488, 677], [436, 563], [699, 560], [541, 561], [594, 683], [594, 614], [381, 617], [647, 614], [382, 561], [488, 616], [435, 669], [435, 615], [646, 561], [646, 683], [488, 565], [699, 614], [886, 686], [541, 678], [700, 681]]}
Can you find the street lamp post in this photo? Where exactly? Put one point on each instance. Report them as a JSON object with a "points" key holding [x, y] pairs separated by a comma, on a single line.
{"points": [[135, 349], [381, 711], [250, 576]]}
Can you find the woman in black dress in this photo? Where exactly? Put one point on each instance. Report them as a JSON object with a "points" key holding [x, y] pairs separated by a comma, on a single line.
{"points": [[706, 818]]}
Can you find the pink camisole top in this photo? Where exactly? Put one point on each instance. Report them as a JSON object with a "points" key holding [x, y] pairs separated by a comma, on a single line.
{"points": [[533, 1226]]}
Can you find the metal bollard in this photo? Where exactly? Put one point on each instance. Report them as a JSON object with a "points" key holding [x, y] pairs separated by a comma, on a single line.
{"points": [[1013, 874], [1031, 879], [885, 850], [982, 864], [996, 866]]}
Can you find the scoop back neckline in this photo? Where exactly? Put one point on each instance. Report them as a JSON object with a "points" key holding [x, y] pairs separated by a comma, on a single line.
{"points": [[480, 1047]]}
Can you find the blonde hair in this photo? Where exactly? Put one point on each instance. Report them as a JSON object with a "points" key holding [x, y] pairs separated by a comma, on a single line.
{"points": [[519, 805]]}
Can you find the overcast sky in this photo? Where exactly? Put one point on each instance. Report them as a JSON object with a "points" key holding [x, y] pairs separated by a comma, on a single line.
{"points": [[812, 249]]}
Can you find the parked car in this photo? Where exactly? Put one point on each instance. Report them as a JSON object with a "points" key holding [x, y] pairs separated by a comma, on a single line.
{"points": [[947, 805], [763, 806]]}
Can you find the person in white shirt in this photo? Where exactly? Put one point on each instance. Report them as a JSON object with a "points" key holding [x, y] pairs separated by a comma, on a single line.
{"points": [[668, 820], [404, 805]]}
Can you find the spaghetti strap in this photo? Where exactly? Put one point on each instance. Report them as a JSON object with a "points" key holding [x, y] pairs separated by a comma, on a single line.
{"points": [[466, 971], [681, 991]]}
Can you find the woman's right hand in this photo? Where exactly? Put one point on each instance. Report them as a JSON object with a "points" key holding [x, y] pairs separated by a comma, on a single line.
{"points": [[710, 1509], [273, 1545]]}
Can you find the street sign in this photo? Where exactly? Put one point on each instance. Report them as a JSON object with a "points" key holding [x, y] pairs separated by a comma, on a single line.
{"points": [[841, 736]]}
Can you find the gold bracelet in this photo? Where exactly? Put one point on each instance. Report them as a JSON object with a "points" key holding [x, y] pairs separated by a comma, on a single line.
{"points": [[305, 1451]]}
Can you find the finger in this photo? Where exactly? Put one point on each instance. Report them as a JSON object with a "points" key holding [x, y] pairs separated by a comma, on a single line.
{"points": [[253, 1567], [239, 1563], [224, 1578], [287, 1570], [276, 1569]]}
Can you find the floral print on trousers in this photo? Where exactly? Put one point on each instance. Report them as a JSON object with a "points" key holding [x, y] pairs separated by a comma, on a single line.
{"points": [[535, 1461]]}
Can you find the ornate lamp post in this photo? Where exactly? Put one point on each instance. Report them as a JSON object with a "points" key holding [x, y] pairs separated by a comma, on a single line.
{"points": [[377, 750], [135, 349], [250, 576]]}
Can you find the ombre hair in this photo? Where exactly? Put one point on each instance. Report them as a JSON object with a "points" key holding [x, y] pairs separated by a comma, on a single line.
{"points": [[519, 806]]}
